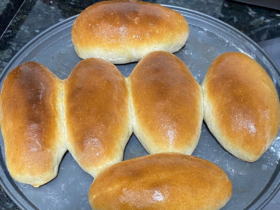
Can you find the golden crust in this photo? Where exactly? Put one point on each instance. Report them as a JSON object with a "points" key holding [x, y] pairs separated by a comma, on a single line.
{"points": [[167, 104], [161, 181], [125, 31], [31, 123], [241, 105], [97, 114]]}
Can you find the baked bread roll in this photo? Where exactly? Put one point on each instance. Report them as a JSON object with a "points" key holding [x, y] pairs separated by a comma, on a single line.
{"points": [[32, 123], [97, 114], [166, 104], [124, 31], [241, 106], [161, 181]]}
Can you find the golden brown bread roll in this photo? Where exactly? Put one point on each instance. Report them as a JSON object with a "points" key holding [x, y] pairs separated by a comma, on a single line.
{"points": [[126, 30], [97, 114], [32, 123], [161, 181], [241, 106], [166, 104]]}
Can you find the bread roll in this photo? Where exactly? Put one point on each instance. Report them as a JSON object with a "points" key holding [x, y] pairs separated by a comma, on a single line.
{"points": [[125, 31], [97, 114], [166, 104], [161, 181], [241, 106], [32, 123]]}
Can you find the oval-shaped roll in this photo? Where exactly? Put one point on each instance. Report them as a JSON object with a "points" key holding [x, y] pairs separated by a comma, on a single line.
{"points": [[124, 31], [161, 181], [166, 104], [32, 123], [97, 114], [241, 105]]}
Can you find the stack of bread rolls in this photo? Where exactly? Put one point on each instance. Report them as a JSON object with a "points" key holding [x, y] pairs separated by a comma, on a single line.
{"points": [[95, 110]]}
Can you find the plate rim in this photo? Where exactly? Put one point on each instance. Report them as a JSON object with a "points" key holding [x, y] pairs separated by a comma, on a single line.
{"points": [[24, 203]]}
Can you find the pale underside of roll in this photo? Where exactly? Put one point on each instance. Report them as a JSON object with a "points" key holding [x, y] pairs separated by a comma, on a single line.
{"points": [[166, 103], [97, 114], [241, 105], [32, 123], [161, 181], [125, 31]]}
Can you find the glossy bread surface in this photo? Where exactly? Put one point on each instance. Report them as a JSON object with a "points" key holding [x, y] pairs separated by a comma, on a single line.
{"points": [[241, 105], [32, 125], [167, 104], [97, 114], [161, 181], [124, 31]]}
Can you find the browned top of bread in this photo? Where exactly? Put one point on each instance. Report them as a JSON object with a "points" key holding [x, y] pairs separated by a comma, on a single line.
{"points": [[167, 104], [135, 21], [114, 25], [97, 114], [161, 181], [30, 122], [243, 105]]}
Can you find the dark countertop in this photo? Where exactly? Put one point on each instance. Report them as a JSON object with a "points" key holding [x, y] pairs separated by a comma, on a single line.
{"points": [[34, 16]]}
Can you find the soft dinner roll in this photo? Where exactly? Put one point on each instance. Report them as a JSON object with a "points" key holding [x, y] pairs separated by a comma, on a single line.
{"points": [[97, 114], [125, 31], [241, 106], [166, 104], [161, 181], [32, 123]]}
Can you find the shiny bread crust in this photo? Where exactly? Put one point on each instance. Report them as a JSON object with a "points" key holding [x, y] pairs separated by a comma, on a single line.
{"points": [[166, 104], [97, 114], [124, 31], [32, 123], [241, 105], [161, 181]]}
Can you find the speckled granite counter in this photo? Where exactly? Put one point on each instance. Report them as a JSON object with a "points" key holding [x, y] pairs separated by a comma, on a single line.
{"points": [[37, 15]]}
